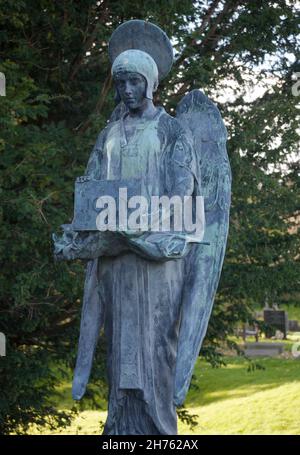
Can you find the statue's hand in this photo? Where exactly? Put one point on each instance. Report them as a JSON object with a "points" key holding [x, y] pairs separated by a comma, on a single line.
{"points": [[179, 247], [58, 248], [63, 245], [171, 245]]}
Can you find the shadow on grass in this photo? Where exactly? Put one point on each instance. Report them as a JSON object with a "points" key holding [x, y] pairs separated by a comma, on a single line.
{"points": [[209, 385], [94, 398]]}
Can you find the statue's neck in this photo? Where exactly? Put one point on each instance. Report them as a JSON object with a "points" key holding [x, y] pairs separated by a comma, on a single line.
{"points": [[134, 116], [146, 111]]}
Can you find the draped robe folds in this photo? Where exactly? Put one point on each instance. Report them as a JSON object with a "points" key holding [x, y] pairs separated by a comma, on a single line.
{"points": [[140, 298]]}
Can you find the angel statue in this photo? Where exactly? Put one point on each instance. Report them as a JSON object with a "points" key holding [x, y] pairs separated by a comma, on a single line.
{"points": [[151, 291]]}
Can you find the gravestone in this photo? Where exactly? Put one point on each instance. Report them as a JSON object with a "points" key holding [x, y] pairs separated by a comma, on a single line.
{"points": [[293, 326], [263, 349], [275, 320]]}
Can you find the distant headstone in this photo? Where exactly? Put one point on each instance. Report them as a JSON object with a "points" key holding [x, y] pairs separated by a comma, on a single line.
{"points": [[275, 320], [263, 349], [293, 326]]}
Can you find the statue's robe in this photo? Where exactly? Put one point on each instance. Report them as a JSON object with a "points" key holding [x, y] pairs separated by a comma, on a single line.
{"points": [[138, 299]]}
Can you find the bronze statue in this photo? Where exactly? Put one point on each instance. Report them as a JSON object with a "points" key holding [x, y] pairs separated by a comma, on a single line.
{"points": [[151, 291]]}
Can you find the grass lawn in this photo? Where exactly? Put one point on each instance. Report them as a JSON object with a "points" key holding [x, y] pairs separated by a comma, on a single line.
{"points": [[234, 401], [227, 400]]}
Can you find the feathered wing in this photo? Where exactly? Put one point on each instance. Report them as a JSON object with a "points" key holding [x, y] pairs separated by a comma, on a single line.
{"points": [[202, 119]]}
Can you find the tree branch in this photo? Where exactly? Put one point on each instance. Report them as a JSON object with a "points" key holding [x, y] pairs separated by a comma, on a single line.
{"points": [[211, 37], [205, 21], [88, 42], [105, 89]]}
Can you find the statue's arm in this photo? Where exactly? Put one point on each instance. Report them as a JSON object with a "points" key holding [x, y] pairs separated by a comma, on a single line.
{"points": [[87, 245]]}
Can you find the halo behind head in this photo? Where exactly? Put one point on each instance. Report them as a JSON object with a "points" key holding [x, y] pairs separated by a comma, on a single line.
{"points": [[145, 36]]}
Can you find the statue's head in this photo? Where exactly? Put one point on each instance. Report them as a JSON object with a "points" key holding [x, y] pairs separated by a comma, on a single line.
{"points": [[141, 55], [131, 88], [135, 75]]}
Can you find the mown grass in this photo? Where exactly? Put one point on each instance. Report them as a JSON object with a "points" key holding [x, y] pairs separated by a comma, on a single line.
{"points": [[227, 400], [232, 400]]}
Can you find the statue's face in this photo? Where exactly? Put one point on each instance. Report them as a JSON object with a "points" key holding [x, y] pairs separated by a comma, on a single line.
{"points": [[132, 88]]}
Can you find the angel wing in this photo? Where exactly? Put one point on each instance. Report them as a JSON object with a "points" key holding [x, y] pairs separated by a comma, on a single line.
{"points": [[202, 119]]}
